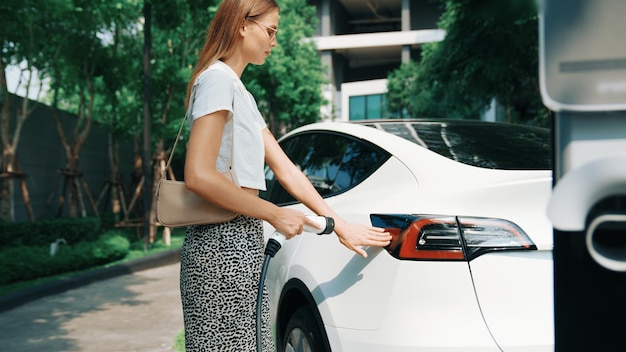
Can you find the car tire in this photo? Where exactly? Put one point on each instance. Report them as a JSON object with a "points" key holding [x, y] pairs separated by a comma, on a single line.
{"points": [[303, 334]]}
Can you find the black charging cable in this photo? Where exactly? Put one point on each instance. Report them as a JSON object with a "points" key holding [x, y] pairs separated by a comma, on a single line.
{"points": [[326, 225]]}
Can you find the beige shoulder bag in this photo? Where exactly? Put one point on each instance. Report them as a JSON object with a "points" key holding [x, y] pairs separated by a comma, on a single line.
{"points": [[177, 206]]}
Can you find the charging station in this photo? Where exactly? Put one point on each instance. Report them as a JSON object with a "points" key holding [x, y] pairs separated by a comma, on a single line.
{"points": [[583, 82]]}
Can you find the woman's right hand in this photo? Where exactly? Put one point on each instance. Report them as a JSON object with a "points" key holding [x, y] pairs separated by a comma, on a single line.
{"points": [[288, 222]]}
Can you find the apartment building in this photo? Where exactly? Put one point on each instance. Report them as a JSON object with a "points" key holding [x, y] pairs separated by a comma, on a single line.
{"points": [[361, 42]]}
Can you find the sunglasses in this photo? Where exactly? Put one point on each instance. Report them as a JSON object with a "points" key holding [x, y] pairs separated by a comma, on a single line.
{"points": [[271, 31]]}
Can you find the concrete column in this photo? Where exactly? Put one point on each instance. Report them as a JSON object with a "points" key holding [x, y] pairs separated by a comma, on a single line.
{"points": [[406, 26], [406, 15], [326, 18], [329, 90]]}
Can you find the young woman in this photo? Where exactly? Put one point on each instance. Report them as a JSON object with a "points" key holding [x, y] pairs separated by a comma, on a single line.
{"points": [[221, 263]]}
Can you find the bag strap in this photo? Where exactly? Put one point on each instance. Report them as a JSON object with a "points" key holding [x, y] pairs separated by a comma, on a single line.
{"points": [[187, 114], [180, 132]]}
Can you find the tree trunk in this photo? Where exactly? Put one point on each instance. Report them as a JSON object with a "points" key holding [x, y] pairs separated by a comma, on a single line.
{"points": [[73, 191], [72, 153], [6, 194], [148, 224], [9, 141], [114, 177]]}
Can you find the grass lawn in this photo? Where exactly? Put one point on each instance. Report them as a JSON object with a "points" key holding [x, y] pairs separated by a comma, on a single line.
{"points": [[179, 342]]}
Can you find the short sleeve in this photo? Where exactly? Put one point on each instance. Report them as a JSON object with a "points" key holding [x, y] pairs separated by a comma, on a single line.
{"points": [[215, 91]]}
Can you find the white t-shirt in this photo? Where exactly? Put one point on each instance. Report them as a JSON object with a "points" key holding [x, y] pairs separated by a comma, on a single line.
{"points": [[219, 88]]}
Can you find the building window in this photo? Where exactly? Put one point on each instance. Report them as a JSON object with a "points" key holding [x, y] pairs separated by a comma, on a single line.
{"points": [[367, 107]]}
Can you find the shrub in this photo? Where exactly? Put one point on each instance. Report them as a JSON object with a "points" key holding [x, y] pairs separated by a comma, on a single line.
{"points": [[111, 246], [23, 262], [43, 232]]}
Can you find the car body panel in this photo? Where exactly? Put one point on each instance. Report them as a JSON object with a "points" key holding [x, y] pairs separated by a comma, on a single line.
{"points": [[345, 340], [329, 282], [512, 311], [416, 294]]}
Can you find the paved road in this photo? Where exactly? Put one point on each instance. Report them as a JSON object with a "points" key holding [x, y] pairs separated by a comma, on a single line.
{"points": [[139, 312]]}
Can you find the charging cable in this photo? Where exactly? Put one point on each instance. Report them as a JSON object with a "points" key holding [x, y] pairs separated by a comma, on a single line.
{"points": [[325, 226]]}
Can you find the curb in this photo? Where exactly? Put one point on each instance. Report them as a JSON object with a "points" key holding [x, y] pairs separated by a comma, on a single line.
{"points": [[17, 298]]}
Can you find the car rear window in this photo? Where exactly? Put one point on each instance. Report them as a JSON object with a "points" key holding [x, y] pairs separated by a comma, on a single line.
{"points": [[487, 145]]}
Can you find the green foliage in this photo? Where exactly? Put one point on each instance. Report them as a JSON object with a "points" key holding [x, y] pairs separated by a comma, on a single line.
{"points": [[490, 51], [44, 232], [136, 251], [177, 38], [111, 246], [179, 342], [25, 24], [24, 262], [108, 220], [82, 43], [401, 84]]}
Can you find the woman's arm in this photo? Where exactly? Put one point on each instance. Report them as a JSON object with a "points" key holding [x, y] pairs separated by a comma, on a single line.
{"points": [[203, 178], [298, 185]]}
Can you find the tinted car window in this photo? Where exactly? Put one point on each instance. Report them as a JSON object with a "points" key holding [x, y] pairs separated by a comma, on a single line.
{"points": [[332, 162], [488, 145]]}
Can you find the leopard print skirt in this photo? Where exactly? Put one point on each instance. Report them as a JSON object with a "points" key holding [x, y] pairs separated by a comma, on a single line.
{"points": [[219, 277]]}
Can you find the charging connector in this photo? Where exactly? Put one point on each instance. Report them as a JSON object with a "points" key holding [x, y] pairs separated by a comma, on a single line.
{"points": [[325, 225]]}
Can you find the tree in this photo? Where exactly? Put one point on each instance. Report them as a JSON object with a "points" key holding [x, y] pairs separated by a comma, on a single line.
{"points": [[490, 52], [86, 60], [25, 45], [116, 102], [178, 35], [401, 85]]}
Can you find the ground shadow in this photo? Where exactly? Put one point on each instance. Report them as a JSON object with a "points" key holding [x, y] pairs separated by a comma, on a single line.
{"points": [[46, 324]]}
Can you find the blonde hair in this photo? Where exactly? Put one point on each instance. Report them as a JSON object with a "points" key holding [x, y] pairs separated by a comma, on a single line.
{"points": [[222, 34]]}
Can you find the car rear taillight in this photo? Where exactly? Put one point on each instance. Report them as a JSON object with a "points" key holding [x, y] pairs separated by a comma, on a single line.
{"points": [[439, 237]]}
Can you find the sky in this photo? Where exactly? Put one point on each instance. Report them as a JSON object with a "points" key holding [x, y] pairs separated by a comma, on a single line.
{"points": [[13, 75]]}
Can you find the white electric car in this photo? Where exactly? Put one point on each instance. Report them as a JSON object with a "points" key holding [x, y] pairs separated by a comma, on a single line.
{"points": [[470, 264]]}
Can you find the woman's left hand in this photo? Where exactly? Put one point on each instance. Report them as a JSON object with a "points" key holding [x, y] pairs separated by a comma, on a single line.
{"points": [[354, 236]]}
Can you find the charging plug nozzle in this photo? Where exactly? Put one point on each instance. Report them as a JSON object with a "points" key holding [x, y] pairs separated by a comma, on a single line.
{"points": [[274, 244]]}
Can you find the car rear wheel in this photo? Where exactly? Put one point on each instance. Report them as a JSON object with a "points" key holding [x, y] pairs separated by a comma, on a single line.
{"points": [[303, 334]]}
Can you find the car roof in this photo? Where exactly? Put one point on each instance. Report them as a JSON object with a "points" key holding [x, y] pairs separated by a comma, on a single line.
{"points": [[484, 144], [445, 121]]}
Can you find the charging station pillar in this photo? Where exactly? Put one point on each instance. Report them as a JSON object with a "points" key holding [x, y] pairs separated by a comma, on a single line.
{"points": [[583, 81]]}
